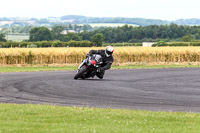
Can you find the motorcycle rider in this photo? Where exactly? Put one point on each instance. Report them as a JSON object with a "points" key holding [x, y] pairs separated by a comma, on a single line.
{"points": [[107, 60]]}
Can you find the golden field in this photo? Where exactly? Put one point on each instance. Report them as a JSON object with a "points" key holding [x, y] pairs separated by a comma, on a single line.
{"points": [[33, 56]]}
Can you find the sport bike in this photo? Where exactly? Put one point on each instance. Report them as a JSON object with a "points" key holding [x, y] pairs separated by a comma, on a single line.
{"points": [[89, 67]]}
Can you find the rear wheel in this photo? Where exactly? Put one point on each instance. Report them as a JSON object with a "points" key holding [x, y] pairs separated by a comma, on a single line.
{"points": [[81, 72]]}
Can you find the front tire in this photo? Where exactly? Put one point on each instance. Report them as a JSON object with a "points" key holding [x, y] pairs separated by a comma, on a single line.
{"points": [[81, 72]]}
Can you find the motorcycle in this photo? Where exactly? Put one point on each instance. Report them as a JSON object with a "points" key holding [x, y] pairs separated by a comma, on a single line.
{"points": [[89, 67]]}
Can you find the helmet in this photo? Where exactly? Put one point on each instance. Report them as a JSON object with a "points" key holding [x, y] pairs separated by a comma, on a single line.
{"points": [[109, 50]]}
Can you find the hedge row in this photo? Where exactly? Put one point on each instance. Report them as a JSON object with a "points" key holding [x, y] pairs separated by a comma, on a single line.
{"points": [[87, 44], [123, 44], [174, 44], [46, 44]]}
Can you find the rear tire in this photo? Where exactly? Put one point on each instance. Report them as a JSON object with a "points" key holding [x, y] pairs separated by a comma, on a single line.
{"points": [[80, 73]]}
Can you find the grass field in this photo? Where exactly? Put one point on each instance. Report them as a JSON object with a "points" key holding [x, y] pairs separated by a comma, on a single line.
{"points": [[64, 68], [17, 38], [35, 69], [47, 118]]}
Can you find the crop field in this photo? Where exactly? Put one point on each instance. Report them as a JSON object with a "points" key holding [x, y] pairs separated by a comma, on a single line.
{"points": [[122, 55]]}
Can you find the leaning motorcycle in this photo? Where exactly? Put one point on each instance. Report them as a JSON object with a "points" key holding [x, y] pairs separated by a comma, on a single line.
{"points": [[89, 67]]}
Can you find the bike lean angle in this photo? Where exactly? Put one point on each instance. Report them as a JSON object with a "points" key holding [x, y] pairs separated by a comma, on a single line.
{"points": [[89, 67]]}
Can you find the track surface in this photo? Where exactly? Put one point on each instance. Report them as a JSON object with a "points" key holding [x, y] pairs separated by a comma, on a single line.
{"points": [[173, 89]]}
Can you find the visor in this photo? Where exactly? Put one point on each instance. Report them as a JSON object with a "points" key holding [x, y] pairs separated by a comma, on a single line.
{"points": [[109, 53]]}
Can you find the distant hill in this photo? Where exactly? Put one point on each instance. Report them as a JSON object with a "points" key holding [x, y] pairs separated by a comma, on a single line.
{"points": [[78, 19], [193, 21], [137, 21]]}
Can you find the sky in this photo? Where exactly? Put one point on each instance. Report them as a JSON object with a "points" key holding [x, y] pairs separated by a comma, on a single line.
{"points": [[150, 9]]}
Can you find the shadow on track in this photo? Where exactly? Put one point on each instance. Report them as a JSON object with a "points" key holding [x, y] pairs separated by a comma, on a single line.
{"points": [[106, 80]]}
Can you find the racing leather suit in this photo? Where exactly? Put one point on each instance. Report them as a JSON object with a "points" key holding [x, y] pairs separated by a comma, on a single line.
{"points": [[107, 62]]}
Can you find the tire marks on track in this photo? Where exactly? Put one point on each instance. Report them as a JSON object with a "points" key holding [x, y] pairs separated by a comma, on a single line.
{"points": [[145, 89]]}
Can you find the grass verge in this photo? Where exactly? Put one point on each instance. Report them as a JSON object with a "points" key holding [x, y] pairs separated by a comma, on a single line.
{"points": [[29, 118], [35, 69], [61, 68]]}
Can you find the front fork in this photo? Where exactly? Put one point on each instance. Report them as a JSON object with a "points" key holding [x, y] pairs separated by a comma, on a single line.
{"points": [[81, 65]]}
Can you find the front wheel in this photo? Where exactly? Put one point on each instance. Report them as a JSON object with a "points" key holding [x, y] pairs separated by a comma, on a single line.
{"points": [[81, 72]]}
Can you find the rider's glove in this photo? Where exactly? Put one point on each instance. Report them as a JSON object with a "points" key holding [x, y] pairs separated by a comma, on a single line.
{"points": [[87, 55]]}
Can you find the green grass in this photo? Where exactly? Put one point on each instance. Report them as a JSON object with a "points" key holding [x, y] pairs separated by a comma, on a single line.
{"points": [[154, 66], [47, 118], [62, 68], [17, 38], [34, 69]]}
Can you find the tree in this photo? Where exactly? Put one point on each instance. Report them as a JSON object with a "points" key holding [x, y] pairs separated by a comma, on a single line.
{"points": [[27, 29], [2, 38], [57, 32], [85, 35], [98, 39], [187, 38], [40, 34], [86, 27], [6, 31], [72, 36], [16, 29], [69, 27], [198, 34], [77, 28]]}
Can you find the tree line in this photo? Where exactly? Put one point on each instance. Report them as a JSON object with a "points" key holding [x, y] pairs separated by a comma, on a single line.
{"points": [[44, 34], [125, 33], [152, 33], [15, 29]]}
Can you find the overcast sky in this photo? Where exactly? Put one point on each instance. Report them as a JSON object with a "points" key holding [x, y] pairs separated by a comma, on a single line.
{"points": [[155, 9]]}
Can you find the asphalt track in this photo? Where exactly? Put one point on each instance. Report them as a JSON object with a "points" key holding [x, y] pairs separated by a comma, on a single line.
{"points": [[172, 89]]}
